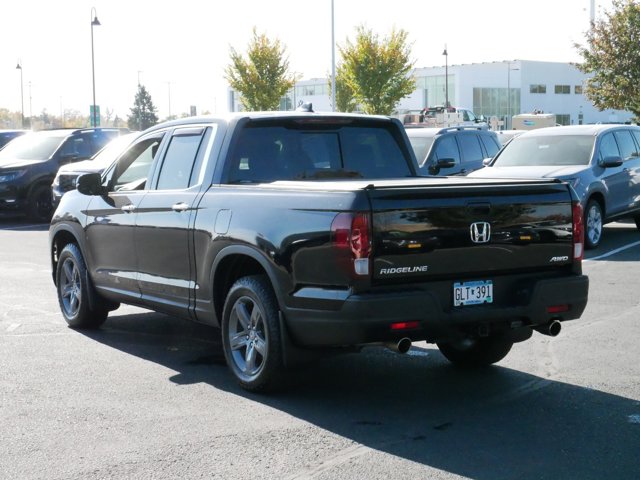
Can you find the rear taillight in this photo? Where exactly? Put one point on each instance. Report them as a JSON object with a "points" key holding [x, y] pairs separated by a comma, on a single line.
{"points": [[351, 231], [578, 231]]}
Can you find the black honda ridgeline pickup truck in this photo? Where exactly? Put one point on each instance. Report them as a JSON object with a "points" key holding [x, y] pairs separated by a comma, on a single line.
{"points": [[302, 232]]}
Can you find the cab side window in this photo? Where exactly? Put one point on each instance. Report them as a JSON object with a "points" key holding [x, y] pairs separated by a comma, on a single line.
{"points": [[133, 167], [608, 147], [626, 144], [491, 145], [177, 171], [447, 147], [470, 146]]}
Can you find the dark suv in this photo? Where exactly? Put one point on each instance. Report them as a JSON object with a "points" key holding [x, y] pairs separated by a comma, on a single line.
{"points": [[7, 135], [452, 150], [29, 163]]}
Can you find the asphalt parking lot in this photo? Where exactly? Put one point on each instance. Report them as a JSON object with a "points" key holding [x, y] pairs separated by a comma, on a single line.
{"points": [[149, 396]]}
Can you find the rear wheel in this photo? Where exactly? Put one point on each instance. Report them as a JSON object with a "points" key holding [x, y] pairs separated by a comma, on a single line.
{"points": [[592, 224], [251, 333], [40, 204], [73, 291], [476, 352]]}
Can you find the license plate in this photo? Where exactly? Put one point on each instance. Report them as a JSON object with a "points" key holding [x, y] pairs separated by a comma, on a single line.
{"points": [[472, 293]]}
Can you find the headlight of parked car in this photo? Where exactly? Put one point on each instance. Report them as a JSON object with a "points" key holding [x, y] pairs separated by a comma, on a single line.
{"points": [[11, 176]]}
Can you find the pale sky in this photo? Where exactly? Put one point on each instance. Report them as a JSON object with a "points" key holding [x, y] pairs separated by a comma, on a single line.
{"points": [[180, 48]]}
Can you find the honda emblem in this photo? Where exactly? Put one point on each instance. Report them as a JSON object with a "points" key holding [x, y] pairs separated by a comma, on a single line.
{"points": [[480, 232]]}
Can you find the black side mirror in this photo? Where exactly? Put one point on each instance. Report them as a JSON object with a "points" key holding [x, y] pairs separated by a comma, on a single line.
{"points": [[446, 163], [90, 184], [610, 162]]}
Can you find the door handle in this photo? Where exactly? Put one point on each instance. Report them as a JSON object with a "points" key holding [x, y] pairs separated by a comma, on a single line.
{"points": [[179, 207], [128, 208]]}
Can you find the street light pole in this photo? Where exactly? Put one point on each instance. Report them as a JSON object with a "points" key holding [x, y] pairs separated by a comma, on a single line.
{"points": [[333, 61], [446, 77], [19, 67], [169, 86], [94, 22], [508, 122]]}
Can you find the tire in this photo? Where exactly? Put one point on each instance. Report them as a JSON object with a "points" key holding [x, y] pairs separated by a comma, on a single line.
{"points": [[251, 334], [592, 225], [40, 204], [478, 352], [73, 291]]}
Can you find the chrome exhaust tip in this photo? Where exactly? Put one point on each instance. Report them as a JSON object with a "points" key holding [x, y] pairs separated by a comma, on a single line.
{"points": [[551, 329], [402, 346]]}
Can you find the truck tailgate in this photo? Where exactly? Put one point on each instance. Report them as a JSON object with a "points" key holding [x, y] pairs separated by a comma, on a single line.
{"points": [[469, 230]]}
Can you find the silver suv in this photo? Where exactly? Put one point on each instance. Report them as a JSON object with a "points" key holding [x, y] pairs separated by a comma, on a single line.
{"points": [[601, 162]]}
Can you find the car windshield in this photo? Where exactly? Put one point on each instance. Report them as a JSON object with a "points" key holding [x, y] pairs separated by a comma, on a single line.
{"points": [[421, 146], [32, 147], [547, 150]]}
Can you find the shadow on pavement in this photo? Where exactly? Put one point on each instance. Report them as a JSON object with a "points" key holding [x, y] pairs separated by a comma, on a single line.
{"points": [[489, 424]]}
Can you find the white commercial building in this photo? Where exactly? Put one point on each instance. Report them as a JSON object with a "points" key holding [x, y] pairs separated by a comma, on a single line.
{"points": [[549, 87]]}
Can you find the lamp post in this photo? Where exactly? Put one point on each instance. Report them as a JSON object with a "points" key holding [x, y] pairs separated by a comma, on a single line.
{"points": [[94, 22], [508, 122], [19, 67], [333, 61], [446, 77], [169, 87]]}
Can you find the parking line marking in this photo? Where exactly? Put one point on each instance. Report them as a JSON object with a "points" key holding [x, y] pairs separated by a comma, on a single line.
{"points": [[613, 252], [12, 327]]}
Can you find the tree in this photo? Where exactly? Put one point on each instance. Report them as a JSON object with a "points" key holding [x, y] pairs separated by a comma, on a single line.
{"points": [[143, 114], [612, 55], [345, 98], [263, 78], [377, 71]]}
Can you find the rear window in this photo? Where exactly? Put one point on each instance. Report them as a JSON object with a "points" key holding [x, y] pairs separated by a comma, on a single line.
{"points": [[547, 150], [315, 152]]}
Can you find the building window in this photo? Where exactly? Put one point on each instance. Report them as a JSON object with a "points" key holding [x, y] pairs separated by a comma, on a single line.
{"points": [[495, 102], [563, 119], [563, 89], [577, 89], [537, 89]]}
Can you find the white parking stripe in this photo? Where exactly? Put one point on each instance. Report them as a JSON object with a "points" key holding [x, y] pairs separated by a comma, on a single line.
{"points": [[22, 227], [613, 252]]}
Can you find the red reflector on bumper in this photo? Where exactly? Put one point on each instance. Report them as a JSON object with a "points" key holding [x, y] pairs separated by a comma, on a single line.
{"points": [[404, 325], [558, 308]]}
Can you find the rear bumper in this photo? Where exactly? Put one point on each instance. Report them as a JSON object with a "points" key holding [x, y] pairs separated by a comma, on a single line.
{"points": [[341, 319]]}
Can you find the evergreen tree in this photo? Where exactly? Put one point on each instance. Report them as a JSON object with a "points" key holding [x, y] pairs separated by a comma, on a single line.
{"points": [[144, 113]]}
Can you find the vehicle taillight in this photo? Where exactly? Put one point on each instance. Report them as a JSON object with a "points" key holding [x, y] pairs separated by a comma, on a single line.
{"points": [[352, 231], [578, 232]]}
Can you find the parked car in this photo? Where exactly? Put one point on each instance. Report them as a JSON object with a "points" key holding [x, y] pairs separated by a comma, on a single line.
{"points": [[453, 150], [505, 136], [67, 175], [7, 135], [29, 163], [601, 162]]}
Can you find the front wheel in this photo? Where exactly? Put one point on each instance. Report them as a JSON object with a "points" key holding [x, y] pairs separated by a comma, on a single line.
{"points": [[73, 291], [40, 204], [477, 352], [592, 224], [251, 333]]}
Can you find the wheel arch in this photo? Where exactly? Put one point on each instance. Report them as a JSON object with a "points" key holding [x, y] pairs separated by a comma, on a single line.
{"points": [[598, 197], [235, 262], [60, 239]]}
